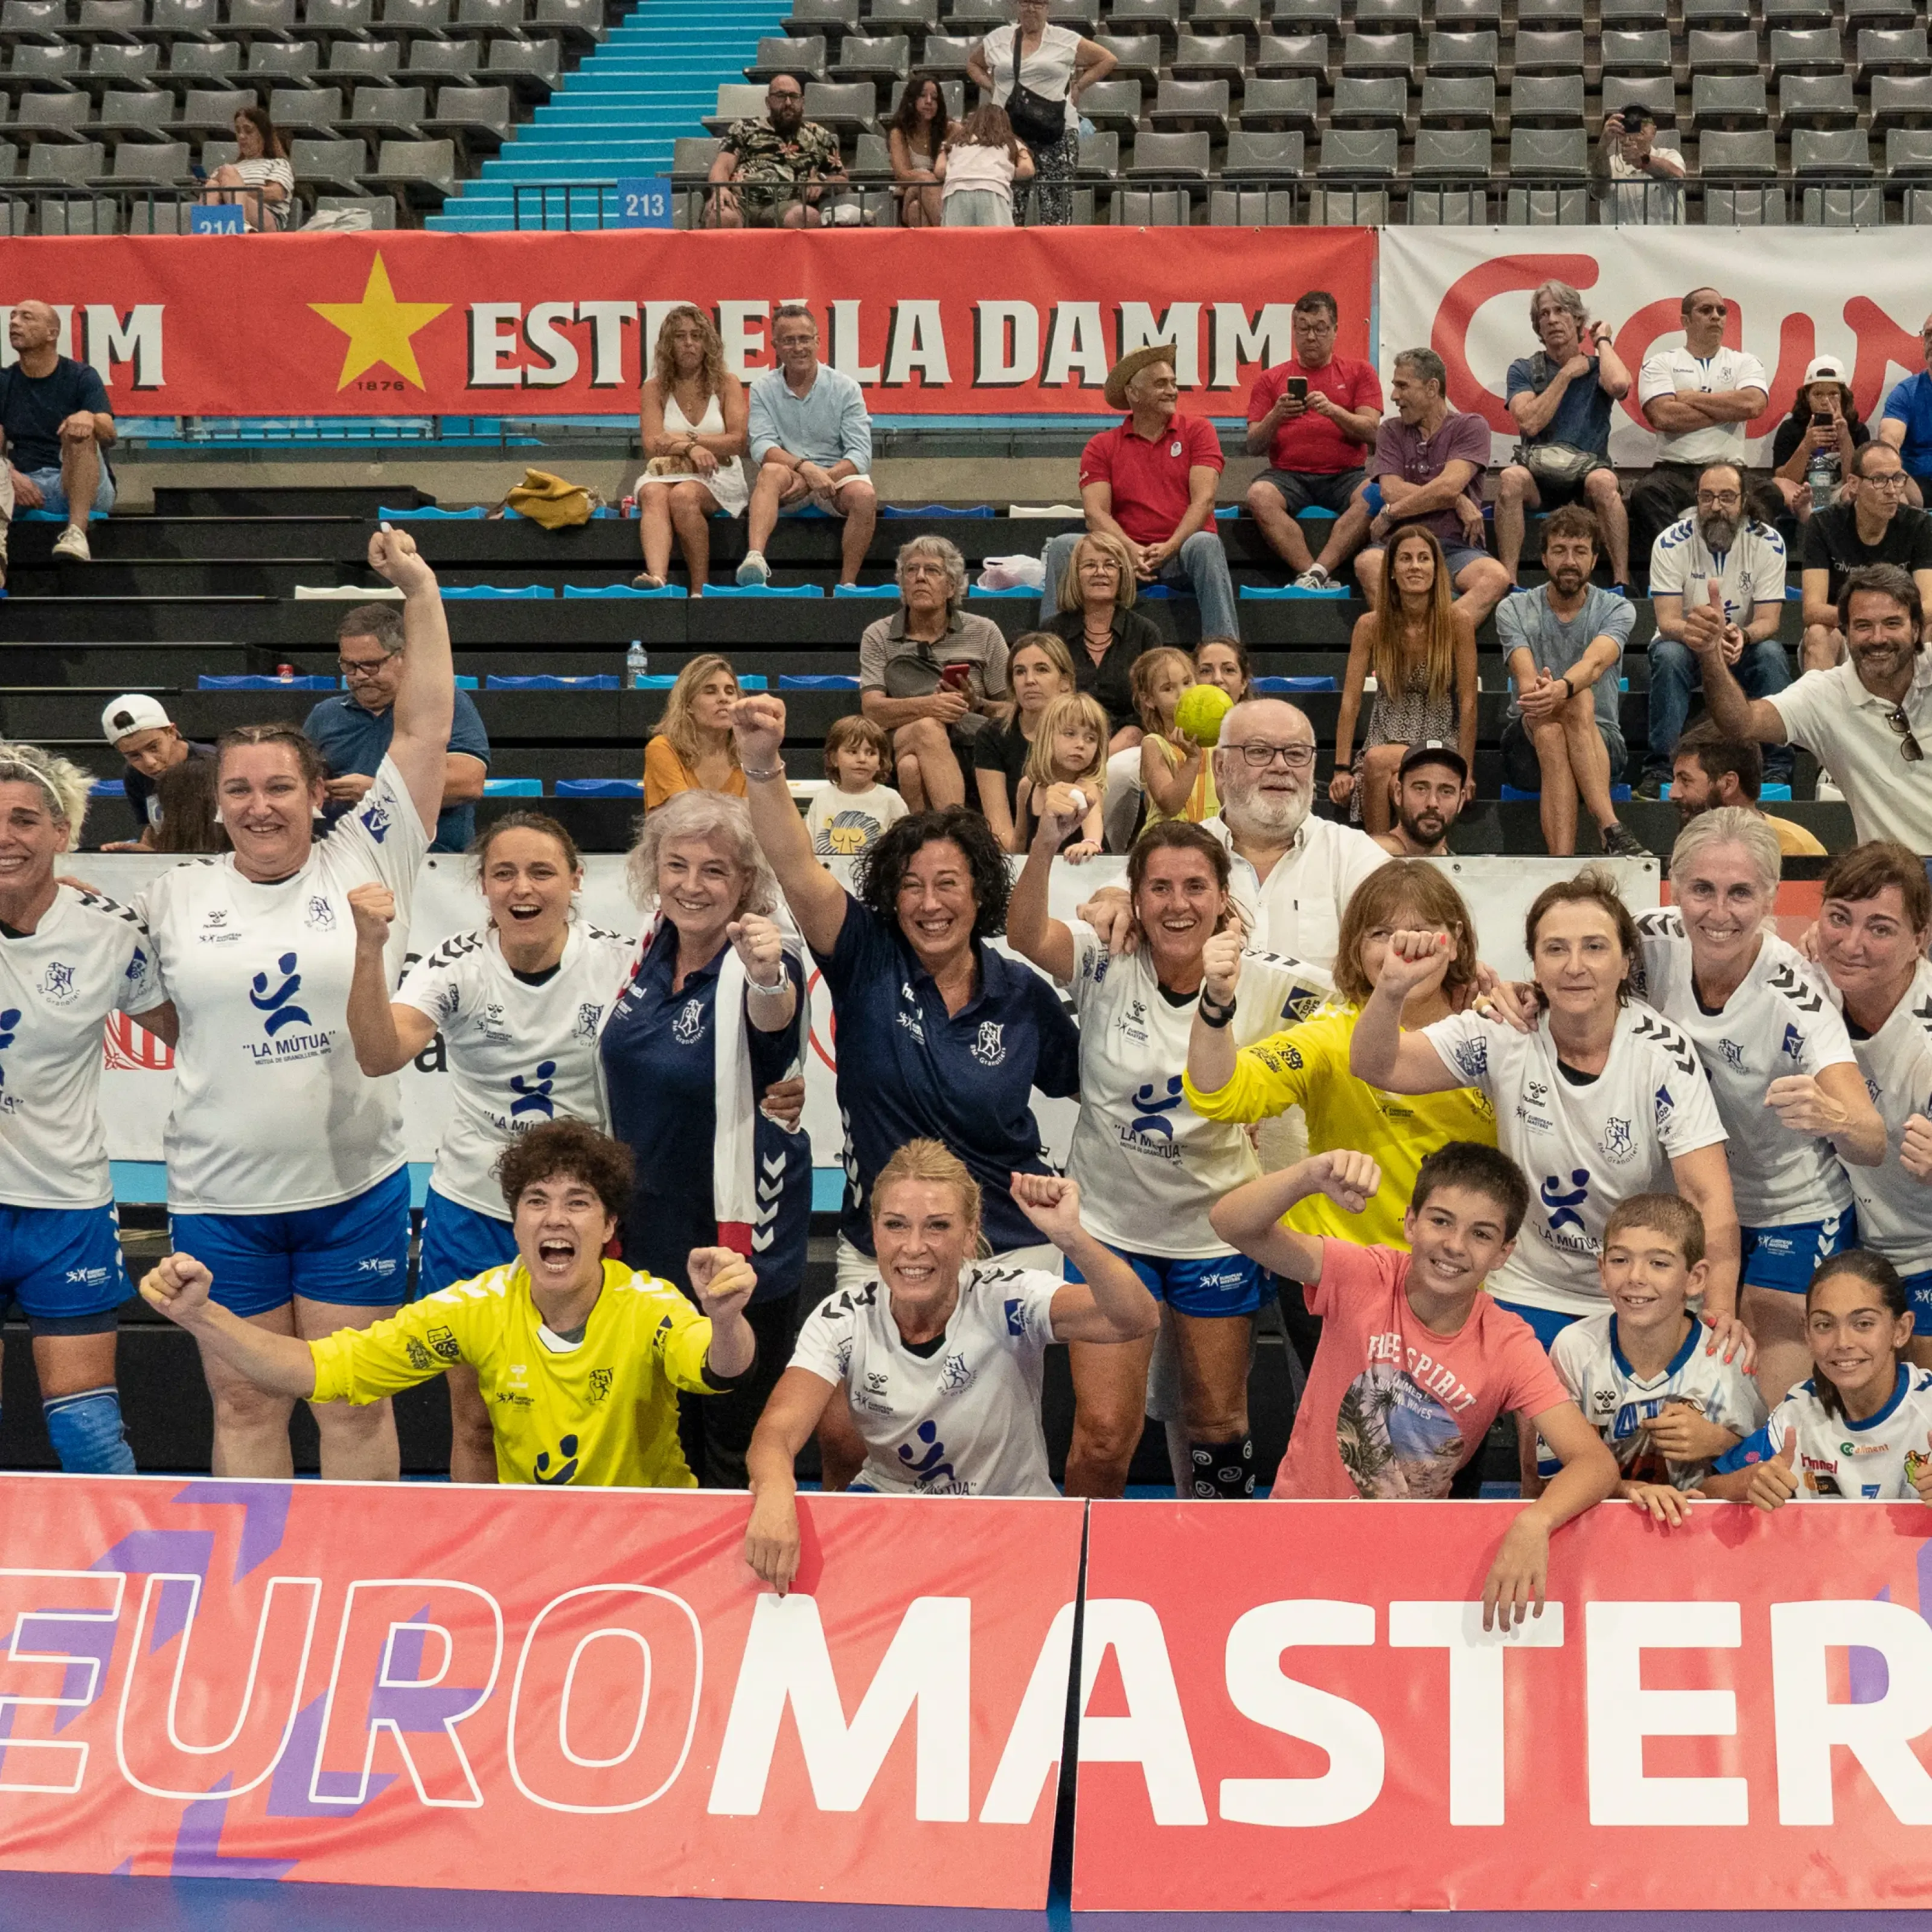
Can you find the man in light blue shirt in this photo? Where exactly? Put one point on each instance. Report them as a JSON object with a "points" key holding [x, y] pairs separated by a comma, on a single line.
{"points": [[811, 441], [1906, 424]]}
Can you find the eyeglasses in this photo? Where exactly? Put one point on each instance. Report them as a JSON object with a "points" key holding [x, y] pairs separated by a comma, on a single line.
{"points": [[1717, 500], [1719, 309], [1890, 479], [1296, 757], [355, 669], [1902, 726]]}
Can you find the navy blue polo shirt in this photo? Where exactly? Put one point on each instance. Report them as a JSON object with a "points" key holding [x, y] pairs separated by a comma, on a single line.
{"points": [[660, 1075], [353, 740], [907, 1070]]}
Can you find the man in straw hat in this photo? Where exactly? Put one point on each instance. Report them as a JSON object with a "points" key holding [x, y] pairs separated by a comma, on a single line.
{"points": [[1151, 482]]}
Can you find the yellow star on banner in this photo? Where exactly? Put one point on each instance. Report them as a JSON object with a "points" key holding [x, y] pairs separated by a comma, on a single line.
{"points": [[378, 327]]}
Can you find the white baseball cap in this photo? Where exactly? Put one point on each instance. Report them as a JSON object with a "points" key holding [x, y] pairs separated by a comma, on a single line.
{"points": [[135, 711], [1826, 369]]}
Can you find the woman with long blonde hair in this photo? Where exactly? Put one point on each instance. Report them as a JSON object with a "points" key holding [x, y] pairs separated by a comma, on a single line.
{"points": [[1420, 648], [693, 749], [692, 415]]}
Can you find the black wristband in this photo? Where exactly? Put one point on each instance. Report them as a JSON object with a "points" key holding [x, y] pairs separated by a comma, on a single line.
{"points": [[1214, 1016]]}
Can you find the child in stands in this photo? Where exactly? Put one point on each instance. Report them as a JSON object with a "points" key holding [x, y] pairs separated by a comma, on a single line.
{"points": [[1069, 749], [979, 166], [849, 815], [1176, 772]]}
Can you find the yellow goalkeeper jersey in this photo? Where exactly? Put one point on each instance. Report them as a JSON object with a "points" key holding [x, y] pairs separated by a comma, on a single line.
{"points": [[603, 1410], [1307, 1066]]}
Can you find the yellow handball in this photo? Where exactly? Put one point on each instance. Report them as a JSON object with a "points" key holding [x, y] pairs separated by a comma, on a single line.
{"points": [[1199, 713]]}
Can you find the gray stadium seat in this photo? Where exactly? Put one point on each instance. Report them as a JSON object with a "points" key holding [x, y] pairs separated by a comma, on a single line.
{"points": [[1779, 13], [1100, 156], [302, 110], [34, 20], [365, 60], [1657, 93], [1347, 205], [1291, 101], [691, 154], [1806, 50], [329, 164], [1359, 152], [1152, 208], [1283, 54], [142, 115], [1467, 16], [947, 54], [580, 22], [1549, 153], [1718, 14], [204, 60], [1756, 201], [533, 69], [1848, 206], [1082, 15], [268, 20], [1184, 106], [1251, 207], [1463, 52], [1830, 151], [57, 63], [870, 59], [1901, 99], [1462, 154], [1723, 53], [217, 153], [1374, 100], [736, 101], [1646, 51], [1209, 57], [478, 118], [1548, 15], [1620, 15], [1908, 152], [118, 64], [380, 208], [822, 18], [778, 54], [76, 162], [1549, 53], [1880, 14], [1546, 207], [1251, 156], [109, 20], [1307, 16], [1113, 105], [852, 109], [53, 117], [158, 161], [422, 172], [337, 17], [1458, 100], [1388, 17], [1170, 154], [901, 17], [1147, 16], [296, 61], [505, 15], [1727, 100], [170, 17], [1378, 53], [1547, 100], [1136, 56], [1891, 50], [1826, 100], [1228, 16], [442, 62], [381, 112], [212, 110]]}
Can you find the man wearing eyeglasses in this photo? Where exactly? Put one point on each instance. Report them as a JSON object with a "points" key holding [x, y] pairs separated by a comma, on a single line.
{"points": [[1719, 558], [1868, 721], [1698, 397], [353, 731], [1870, 524], [1906, 424]]}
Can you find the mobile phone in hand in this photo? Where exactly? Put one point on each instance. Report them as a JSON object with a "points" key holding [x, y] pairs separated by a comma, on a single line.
{"points": [[1297, 387], [954, 675]]}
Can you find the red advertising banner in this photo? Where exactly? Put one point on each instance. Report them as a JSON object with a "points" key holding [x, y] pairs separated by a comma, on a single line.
{"points": [[510, 1689], [979, 322], [1296, 1707]]}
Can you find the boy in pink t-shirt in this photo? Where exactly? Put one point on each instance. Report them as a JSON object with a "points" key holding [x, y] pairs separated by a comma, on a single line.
{"points": [[1415, 1360]]}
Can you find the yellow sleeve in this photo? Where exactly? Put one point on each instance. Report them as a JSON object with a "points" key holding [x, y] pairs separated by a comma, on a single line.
{"points": [[1269, 1077], [665, 775], [363, 1365], [680, 1340]]}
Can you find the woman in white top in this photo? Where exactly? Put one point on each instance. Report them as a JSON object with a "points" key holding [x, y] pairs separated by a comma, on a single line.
{"points": [[1057, 65], [285, 1172], [261, 170], [519, 1006], [941, 1357], [1788, 1088], [693, 414]]}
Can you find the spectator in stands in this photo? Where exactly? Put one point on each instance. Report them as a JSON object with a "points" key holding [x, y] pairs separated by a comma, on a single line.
{"points": [[1560, 398], [1866, 721], [1823, 417], [932, 675], [353, 731], [1039, 670], [1721, 557], [1564, 645], [919, 129], [1037, 72], [1645, 172], [1104, 633], [981, 160], [1872, 524], [693, 749], [692, 413], [191, 819], [1906, 424], [773, 172], [1150, 482], [58, 426], [854, 811], [812, 442], [1428, 467], [259, 179], [1432, 786], [1698, 398], [139, 728], [1710, 771], [1223, 663], [1315, 418], [1420, 648], [1177, 780]]}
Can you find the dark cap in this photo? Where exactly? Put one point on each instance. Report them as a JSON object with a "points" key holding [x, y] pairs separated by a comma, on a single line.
{"points": [[1635, 115], [1433, 753]]}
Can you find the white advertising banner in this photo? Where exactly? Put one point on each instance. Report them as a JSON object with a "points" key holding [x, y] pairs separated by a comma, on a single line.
{"points": [[137, 1088], [1794, 294]]}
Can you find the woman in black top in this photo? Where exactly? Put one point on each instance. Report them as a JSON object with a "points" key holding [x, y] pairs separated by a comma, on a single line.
{"points": [[1104, 632], [1039, 670]]}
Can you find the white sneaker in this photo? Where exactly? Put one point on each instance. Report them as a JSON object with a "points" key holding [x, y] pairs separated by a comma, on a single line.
{"points": [[72, 544], [755, 569], [1314, 578]]}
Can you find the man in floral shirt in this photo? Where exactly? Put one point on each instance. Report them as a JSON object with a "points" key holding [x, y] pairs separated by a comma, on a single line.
{"points": [[775, 165]]}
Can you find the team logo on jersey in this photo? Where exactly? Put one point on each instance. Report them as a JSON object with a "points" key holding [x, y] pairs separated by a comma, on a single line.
{"points": [[688, 1028], [277, 1008], [600, 1383], [420, 1357], [1619, 1144], [929, 1469], [1150, 1131], [1563, 1207], [445, 1344], [1734, 1054], [1665, 1106], [1793, 1046], [567, 1454], [217, 920], [1016, 1321], [85, 1277], [588, 1015], [1535, 1093], [137, 965], [534, 1092], [990, 1048], [9, 1020], [955, 1374], [375, 823], [875, 1382], [320, 917], [842, 1353], [1471, 1057], [57, 983]]}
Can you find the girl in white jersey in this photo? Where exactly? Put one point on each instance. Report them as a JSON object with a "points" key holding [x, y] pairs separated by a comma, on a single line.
{"points": [[1788, 1092], [1873, 930], [1861, 1428], [1149, 1167], [519, 1006], [1600, 1100], [286, 1172], [67, 959], [940, 1356]]}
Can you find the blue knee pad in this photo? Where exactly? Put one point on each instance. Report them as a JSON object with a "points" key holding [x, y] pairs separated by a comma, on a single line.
{"points": [[88, 1436]]}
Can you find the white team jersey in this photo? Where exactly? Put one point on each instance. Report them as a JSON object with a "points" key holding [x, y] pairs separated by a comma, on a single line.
{"points": [[1617, 1402], [272, 1113], [1149, 1167], [964, 1421], [1779, 1022], [1894, 1208], [519, 1054], [87, 957], [1582, 1148], [1872, 1461]]}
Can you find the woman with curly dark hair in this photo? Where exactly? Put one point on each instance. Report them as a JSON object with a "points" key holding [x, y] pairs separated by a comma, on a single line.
{"points": [[918, 131], [940, 1037]]}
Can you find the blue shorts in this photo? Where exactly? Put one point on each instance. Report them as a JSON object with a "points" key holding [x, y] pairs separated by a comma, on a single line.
{"points": [[354, 1252], [1918, 1299], [53, 491], [63, 1266], [1787, 1257], [458, 1244], [1207, 1285], [1547, 1323]]}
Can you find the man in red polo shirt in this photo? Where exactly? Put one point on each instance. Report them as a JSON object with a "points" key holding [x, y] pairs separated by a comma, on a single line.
{"points": [[1151, 483], [1315, 417]]}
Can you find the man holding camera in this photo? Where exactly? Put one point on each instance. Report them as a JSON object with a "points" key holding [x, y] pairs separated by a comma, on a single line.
{"points": [[1646, 178]]}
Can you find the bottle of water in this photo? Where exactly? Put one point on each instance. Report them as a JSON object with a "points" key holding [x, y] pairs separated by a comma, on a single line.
{"points": [[637, 665], [1823, 473]]}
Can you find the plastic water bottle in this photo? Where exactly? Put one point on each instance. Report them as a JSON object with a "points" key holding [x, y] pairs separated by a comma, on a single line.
{"points": [[1823, 474], [637, 665]]}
